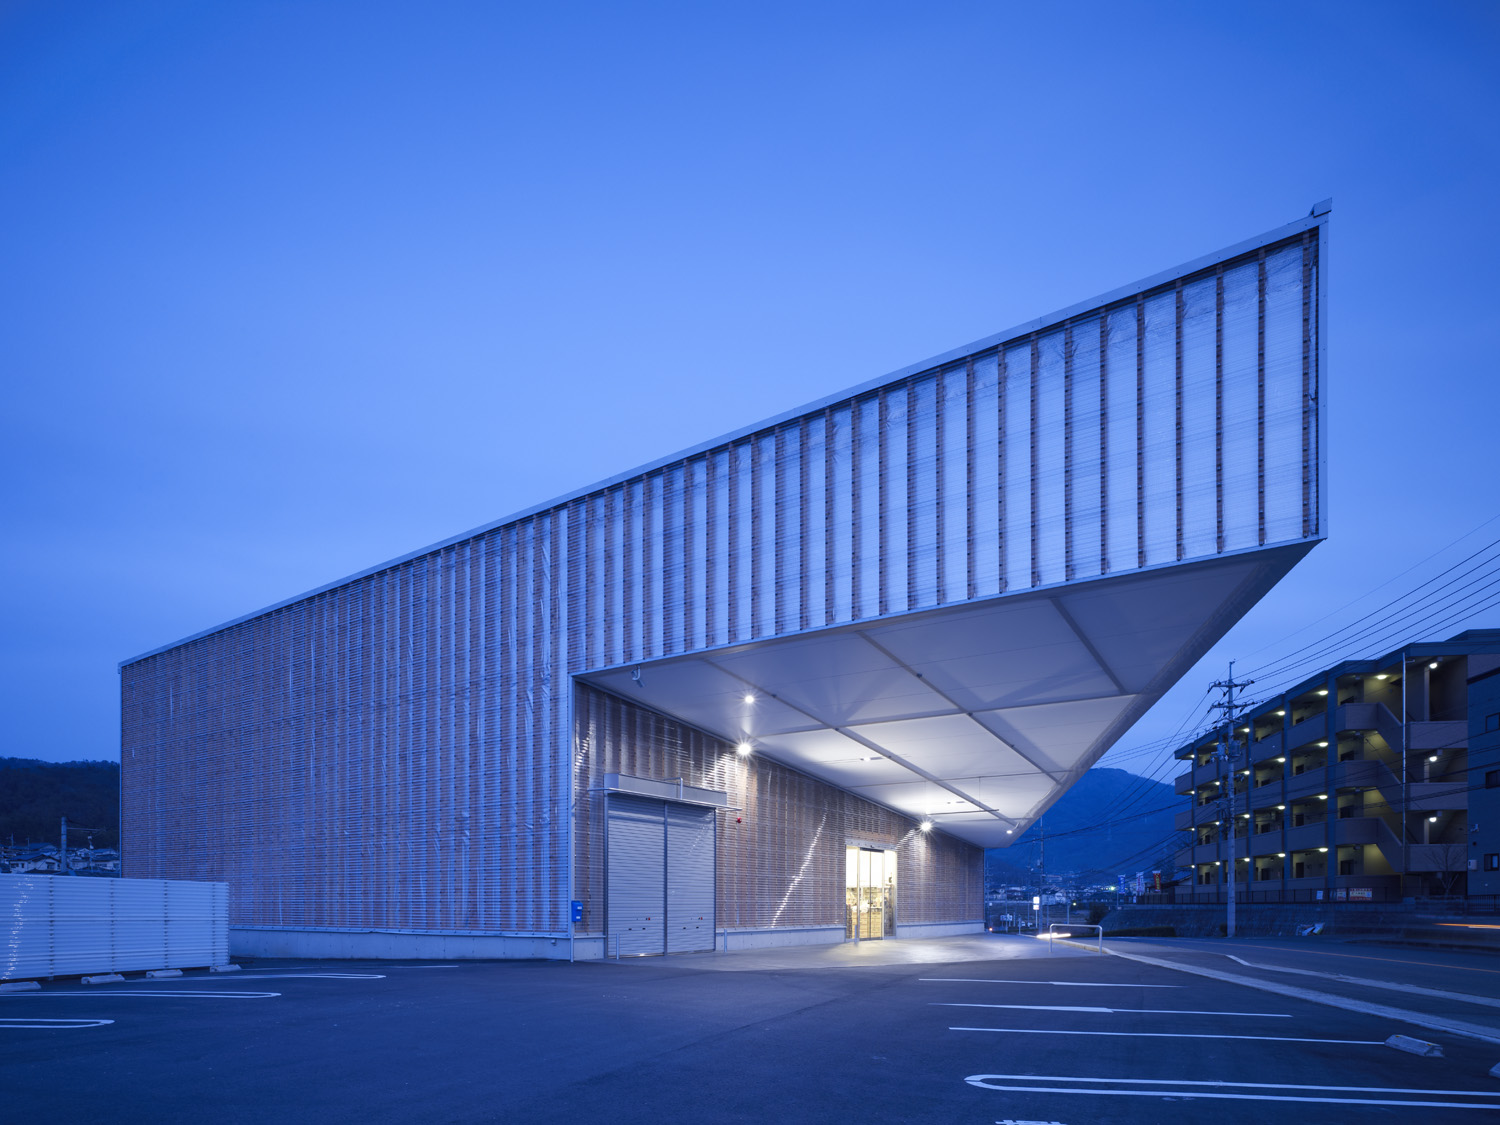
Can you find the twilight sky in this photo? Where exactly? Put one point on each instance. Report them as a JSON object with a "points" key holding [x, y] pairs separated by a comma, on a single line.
{"points": [[292, 288]]}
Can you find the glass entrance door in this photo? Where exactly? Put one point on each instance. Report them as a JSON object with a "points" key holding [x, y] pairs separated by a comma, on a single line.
{"points": [[869, 893]]}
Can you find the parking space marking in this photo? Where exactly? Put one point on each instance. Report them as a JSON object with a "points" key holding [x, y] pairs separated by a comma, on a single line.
{"points": [[1059, 983], [1432, 1023], [322, 976], [1175, 1035], [1366, 982], [51, 1025], [168, 994], [1196, 1089], [1114, 1011]]}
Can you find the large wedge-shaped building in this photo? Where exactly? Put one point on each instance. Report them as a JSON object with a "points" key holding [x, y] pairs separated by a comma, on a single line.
{"points": [[781, 687]]}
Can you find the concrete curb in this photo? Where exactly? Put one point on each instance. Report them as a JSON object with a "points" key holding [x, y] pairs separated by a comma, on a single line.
{"points": [[1431, 1023]]}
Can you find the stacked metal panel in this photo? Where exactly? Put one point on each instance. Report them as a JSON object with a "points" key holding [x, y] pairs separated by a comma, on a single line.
{"points": [[64, 926], [394, 751]]}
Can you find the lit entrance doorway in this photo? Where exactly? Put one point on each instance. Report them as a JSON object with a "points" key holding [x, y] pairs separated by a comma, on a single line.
{"points": [[869, 893]]}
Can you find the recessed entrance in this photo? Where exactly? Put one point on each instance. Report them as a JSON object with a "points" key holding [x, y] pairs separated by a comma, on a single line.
{"points": [[869, 892]]}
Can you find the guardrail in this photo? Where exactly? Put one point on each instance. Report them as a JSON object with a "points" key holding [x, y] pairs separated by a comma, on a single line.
{"points": [[1070, 927]]}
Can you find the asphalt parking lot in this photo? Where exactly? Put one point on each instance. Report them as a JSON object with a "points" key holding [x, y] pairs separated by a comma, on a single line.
{"points": [[993, 1029]]}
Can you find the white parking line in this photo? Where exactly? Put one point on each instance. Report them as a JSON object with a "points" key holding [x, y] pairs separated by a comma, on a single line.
{"points": [[168, 994], [1175, 1090], [53, 1025], [1108, 1011], [1491, 1106], [1059, 983], [1366, 982], [1174, 1035], [322, 976], [1382, 1011], [1241, 1085]]}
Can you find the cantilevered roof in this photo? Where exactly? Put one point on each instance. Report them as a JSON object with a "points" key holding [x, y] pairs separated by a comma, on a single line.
{"points": [[976, 717]]}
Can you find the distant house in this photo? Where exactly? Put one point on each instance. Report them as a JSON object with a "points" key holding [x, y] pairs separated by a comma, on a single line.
{"points": [[40, 860]]}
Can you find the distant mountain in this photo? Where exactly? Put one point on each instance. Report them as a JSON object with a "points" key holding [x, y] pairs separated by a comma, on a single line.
{"points": [[1111, 822], [35, 796]]}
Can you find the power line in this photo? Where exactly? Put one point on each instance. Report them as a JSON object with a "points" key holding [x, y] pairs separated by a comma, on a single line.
{"points": [[1383, 585]]}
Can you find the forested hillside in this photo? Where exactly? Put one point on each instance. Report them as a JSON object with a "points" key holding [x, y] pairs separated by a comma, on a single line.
{"points": [[1111, 822], [35, 796]]}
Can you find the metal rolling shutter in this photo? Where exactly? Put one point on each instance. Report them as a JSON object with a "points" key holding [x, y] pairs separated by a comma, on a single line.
{"points": [[637, 876], [690, 878]]}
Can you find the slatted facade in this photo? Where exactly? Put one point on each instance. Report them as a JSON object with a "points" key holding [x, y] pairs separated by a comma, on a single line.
{"points": [[781, 846], [398, 751]]}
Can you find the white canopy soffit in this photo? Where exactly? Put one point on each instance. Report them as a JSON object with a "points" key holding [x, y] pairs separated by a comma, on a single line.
{"points": [[978, 716]]}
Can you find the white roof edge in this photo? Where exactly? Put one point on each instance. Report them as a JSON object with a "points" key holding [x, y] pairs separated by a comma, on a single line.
{"points": [[1317, 217]]}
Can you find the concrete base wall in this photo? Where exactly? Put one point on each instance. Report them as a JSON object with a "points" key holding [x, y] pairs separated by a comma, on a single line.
{"points": [[730, 940], [366, 945], [379, 945], [938, 929]]}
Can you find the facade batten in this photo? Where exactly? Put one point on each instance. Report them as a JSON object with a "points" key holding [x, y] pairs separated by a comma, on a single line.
{"points": [[946, 592]]}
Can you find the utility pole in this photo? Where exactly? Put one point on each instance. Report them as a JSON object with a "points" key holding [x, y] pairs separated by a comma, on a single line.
{"points": [[1228, 760], [64, 870], [1042, 876]]}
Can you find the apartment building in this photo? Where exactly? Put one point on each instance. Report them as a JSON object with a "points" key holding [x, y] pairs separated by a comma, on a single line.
{"points": [[1356, 785]]}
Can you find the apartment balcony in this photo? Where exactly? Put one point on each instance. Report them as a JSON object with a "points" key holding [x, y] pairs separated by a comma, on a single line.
{"points": [[1420, 796], [1198, 814], [1267, 843], [1306, 836], [1438, 796], [1204, 853], [1202, 775], [1267, 748], [1307, 784], [1438, 736], [1265, 797], [1306, 732]]}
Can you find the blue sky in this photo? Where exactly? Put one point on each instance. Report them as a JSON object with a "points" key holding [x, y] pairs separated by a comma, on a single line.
{"points": [[293, 288]]}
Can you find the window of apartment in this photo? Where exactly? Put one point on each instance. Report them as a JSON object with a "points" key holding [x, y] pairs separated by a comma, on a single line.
{"points": [[1492, 862], [1492, 722], [1492, 779]]}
